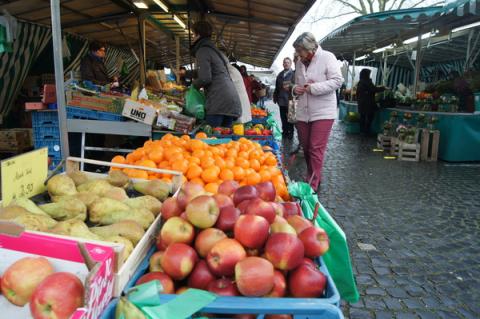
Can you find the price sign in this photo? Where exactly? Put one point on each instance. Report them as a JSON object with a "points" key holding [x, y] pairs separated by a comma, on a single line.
{"points": [[24, 175]]}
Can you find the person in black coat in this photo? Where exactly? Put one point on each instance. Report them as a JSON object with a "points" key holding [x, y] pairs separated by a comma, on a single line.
{"points": [[281, 95], [366, 100], [92, 67]]}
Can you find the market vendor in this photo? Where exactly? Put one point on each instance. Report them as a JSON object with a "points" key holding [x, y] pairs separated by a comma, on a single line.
{"points": [[367, 106], [93, 68], [223, 104]]}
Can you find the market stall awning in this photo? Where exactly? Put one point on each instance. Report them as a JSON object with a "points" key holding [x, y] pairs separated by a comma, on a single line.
{"points": [[366, 34]]}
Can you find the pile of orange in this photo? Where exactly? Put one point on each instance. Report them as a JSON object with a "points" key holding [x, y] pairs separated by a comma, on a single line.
{"points": [[257, 112], [244, 161]]}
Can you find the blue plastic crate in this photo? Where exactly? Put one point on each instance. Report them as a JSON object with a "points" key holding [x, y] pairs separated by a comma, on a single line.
{"points": [[259, 120], [54, 163], [86, 114], [46, 132], [42, 118], [301, 308], [53, 144], [352, 127]]}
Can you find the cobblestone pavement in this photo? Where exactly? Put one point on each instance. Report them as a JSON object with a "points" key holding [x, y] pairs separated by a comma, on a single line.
{"points": [[423, 220]]}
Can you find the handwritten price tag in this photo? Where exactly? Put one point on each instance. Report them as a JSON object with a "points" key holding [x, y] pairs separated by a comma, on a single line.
{"points": [[24, 175]]}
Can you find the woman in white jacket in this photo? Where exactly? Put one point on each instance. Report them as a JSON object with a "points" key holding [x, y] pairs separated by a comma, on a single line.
{"points": [[317, 77]]}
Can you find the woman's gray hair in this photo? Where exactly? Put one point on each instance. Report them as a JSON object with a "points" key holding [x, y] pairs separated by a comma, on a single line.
{"points": [[306, 41]]}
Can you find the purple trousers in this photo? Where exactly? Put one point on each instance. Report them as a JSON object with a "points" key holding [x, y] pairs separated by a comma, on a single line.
{"points": [[313, 137]]}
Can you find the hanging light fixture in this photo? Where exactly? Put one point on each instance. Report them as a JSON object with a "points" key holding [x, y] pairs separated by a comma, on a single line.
{"points": [[161, 5], [140, 4]]}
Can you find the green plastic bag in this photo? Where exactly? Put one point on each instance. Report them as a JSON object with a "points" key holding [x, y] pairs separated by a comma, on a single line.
{"points": [[276, 130], [337, 259], [195, 103]]}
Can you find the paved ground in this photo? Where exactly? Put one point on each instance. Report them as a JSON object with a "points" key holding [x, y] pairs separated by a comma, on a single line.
{"points": [[423, 220]]}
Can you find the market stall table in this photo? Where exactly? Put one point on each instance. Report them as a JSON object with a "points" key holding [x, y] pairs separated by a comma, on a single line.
{"points": [[459, 133], [345, 107]]}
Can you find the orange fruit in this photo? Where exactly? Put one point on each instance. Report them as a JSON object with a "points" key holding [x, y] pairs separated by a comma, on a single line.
{"points": [[201, 135], [147, 163], [176, 157], [239, 173], [230, 163], [232, 153], [136, 173], [194, 171], [243, 154], [194, 160], [271, 160], [198, 153], [156, 155], [227, 175], [210, 175], [265, 176], [278, 179], [167, 178], [196, 145], [148, 143], [211, 188], [181, 166], [164, 165], [255, 164], [253, 178], [243, 163], [220, 162], [185, 138], [275, 171], [137, 154], [254, 155], [197, 180], [119, 159], [206, 162]]}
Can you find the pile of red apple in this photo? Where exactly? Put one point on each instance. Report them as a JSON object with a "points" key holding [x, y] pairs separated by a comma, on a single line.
{"points": [[237, 242], [52, 295]]}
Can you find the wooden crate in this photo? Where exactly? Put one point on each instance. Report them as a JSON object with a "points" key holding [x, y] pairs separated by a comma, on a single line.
{"points": [[409, 152], [16, 139], [429, 145], [395, 146], [384, 142]]}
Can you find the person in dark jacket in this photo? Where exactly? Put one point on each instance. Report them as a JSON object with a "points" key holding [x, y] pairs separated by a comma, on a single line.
{"points": [[92, 67], [281, 95], [366, 100], [223, 104]]}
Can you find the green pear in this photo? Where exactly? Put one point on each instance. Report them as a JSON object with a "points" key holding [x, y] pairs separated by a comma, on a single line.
{"points": [[118, 179], [129, 229], [28, 205], [74, 228], [128, 246], [106, 211], [147, 201], [60, 185], [97, 186], [28, 220], [156, 188], [66, 209], [78, 177], [86, 197], [116, 193]]}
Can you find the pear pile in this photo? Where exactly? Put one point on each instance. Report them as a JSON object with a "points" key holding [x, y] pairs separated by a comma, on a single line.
{"points": [[94, 209]]}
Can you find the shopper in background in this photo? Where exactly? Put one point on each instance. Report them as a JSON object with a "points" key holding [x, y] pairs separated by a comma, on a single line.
{"points": [[92, 67], [255, 88], [183, 78], [247, 81], [282, 94], [223, 104], [366, 100], [317, 77]]}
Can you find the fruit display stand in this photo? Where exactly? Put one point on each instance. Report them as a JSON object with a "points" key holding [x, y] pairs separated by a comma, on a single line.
{"points": [[91, 263], [301, 308]]}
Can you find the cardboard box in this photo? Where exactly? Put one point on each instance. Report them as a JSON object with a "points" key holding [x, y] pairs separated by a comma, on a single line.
{"points": [[49, 94], [16, 139], [139, 112], [92, 263], [30, 106]]}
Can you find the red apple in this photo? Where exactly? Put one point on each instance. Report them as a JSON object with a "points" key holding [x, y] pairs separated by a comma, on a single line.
{"points": [[254, 276], [279, 209], [228, 187], [243, 206], [165, 280], [244, 193], [306, 282], [279, 286], [266, 191], [161, 244], [223, 200], [245, 316], [292, 208], [251, 231], [179, 260], [177, 230], [315, 240], [285, 251], [253, 252], [202, 211], [227, 218], [57, 297], [282, 227], [181, 290], [224, 255], [308, 262], [156, 262], [223, 287], [170, 208], [22, 277], [187, 193], [201, 276], [206, 239], [278, 317], [262, 208], [279, 219], [184, 216], [299, 223]]}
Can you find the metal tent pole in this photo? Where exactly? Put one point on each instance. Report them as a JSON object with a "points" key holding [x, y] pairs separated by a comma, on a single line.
{"points": [[353, 75], [141, 31], [59, 84], [418, 62]]}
